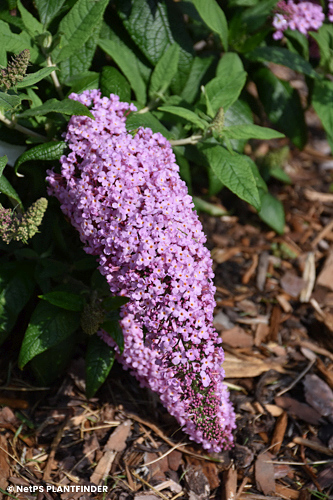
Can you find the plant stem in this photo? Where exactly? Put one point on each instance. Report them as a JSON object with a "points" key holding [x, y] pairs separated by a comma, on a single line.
{"points": [[193, 139], [20, 128], [55, 77]]}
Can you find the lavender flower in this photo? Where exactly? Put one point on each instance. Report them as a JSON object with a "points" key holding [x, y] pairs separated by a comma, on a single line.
{"points": [[302, 17], [125, 197]]}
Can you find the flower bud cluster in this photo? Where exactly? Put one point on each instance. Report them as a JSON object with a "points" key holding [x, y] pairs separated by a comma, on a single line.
{"points": [[124, 195], [20, 227], [15, 70], [302, 17]]}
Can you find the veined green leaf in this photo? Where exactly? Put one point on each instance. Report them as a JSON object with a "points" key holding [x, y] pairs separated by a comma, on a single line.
{"points": [[250, 131], [16, 287], [282, 105], [113, 82], [199, 68], [153, 27], [112, 327], [99, 360], [11, 42], [10, 101], [48, 9], [224, 91], [80, 62], [49, 325], [136, 120], [66, 107], [65, 300], [212, 14], [3, 163], [60, 354], [230, 65], [7, 189], [280, 55], [164, 71], [32, 25], [49, 151], [127, 62], [33, 78], [77, 27], [233, 170], [185, 113], [272, 212], [322, 99]]}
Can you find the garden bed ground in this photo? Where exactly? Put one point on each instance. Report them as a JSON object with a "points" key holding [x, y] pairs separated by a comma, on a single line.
{"points": [[275, 314]]}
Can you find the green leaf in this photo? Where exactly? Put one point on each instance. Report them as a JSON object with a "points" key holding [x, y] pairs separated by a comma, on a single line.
{"points": [[324, 38], [282, 105], [279, 174], [224, 90], [77, 26], [153, 27], [322, 99], [61, 354], [48, 9], [65, 300], [136, 120], [32, 25], [113, 82], [251, 132], [113, 328], [212, 14], [83, 81], [272, 212], [185, 113], [112, 303], [7, 189], [199, 68], [204, 206], [280, 55], [297, 43], [48, 151], [229, 65], [233, 170], [127, 62], [80, 62], [65, 107], [256, 16], [3, 163], [99, 361], [33, 78], [164, 71], [11, 42], [16, 287], [239, 113], [49, 325], [10, 101]]}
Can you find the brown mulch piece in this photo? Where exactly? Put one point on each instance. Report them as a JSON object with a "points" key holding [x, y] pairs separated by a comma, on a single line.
{"points": [[274, 313]]}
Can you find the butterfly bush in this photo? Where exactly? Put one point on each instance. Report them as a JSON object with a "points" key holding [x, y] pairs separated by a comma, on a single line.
{"points": [[124, 195], [302, 17]]}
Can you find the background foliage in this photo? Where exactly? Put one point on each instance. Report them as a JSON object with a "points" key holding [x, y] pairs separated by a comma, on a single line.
{"points": [[187, 66]]}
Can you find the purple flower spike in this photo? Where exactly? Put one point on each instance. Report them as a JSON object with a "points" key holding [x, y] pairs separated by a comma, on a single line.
{"points": [[299, 16], [125, 197]]}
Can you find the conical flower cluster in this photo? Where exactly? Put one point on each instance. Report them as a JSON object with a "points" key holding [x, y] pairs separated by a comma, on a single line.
{"points": [[124, 195]]}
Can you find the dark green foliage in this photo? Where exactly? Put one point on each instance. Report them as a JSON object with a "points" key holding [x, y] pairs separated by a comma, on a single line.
{"points": [[52, 298]]}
